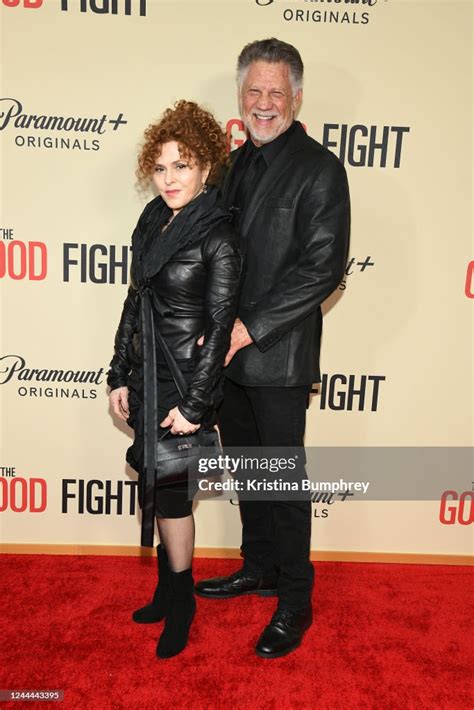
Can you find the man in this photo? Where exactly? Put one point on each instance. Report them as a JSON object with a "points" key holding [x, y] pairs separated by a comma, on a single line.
{"points": [[290, 199]]}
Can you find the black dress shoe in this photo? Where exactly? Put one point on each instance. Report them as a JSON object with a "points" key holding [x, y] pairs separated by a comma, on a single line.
{"points": [[236, 585], [284, 633]]}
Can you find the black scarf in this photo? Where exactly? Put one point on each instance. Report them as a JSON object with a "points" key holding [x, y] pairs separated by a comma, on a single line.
{"points": [[153, 248]]}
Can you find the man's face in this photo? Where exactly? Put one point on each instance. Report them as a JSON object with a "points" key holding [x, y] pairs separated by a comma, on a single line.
{"points": [[267, 104]]}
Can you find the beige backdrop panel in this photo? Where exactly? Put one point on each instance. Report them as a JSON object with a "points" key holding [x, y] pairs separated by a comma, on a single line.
{"points": [[404, 318]]}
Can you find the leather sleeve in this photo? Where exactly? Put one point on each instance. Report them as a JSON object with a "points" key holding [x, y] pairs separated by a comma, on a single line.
{"points": [[223, 262], [117, 375], [323, 230]]}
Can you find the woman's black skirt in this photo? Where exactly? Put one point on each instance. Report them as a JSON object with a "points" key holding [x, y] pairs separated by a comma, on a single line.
{"points": [[173, 501]]}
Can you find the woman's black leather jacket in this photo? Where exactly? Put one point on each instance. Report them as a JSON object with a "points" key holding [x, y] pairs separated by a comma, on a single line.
{"points": [[194, 293]]}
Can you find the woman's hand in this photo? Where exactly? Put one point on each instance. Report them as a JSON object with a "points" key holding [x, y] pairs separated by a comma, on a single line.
{"points": [[178, 423], [119, 401]]}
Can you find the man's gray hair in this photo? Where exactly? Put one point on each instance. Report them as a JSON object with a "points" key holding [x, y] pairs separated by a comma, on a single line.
{"points": [[273, 51]]}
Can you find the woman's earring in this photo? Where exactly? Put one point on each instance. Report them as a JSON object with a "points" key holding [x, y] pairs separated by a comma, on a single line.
{"points": [[204, 187]]}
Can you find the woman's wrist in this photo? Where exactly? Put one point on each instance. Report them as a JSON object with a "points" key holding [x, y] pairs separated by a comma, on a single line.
{"points": [[191, 416]]}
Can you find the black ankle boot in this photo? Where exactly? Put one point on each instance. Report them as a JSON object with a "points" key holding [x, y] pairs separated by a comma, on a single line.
{"points": [[156, 610], [180, 614]]}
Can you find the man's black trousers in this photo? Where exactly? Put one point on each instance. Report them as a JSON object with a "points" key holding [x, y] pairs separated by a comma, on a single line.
{"points": [[275, 533]]}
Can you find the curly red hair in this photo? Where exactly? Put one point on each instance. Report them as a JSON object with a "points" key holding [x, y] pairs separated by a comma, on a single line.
{"points": [[197, 133]]}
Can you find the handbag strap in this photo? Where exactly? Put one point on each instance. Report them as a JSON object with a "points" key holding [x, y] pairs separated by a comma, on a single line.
{"points": [[178, 377]]}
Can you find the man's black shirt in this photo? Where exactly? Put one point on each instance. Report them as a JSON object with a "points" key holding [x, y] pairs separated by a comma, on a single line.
{"points": [[250, 168]]}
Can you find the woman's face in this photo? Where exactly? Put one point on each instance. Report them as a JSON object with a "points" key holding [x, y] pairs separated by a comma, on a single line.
{"points": [[177, 180]]}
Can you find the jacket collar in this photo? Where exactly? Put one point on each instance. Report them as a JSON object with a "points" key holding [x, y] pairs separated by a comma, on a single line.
{"points": [[156, 248]]}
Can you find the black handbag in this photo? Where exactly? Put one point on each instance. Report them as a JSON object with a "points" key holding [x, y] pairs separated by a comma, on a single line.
{"points": [[183, 458]]}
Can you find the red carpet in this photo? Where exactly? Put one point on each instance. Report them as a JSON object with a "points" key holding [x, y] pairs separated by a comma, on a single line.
{"points": [[385, 636]]}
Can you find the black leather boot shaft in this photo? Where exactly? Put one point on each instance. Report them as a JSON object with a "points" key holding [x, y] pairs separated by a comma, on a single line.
{"points": [[181, 610], [156, 610]]}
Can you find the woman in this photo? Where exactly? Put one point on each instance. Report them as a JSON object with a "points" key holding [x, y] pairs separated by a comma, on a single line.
{"points": [[185, 275]]}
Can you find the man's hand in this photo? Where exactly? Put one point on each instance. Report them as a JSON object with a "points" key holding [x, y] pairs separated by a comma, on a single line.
{"points": [[178, 423], [119, 402], [239, 338]]}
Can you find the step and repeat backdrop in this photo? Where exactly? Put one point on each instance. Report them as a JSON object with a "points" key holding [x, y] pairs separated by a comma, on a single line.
{"points": [[388, 90]]}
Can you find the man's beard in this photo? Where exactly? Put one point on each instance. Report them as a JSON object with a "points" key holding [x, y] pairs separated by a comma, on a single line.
{"points": [[265, 137]]}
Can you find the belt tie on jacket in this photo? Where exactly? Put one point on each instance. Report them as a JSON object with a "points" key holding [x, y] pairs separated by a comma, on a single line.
{"points": [[149, 301]]}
